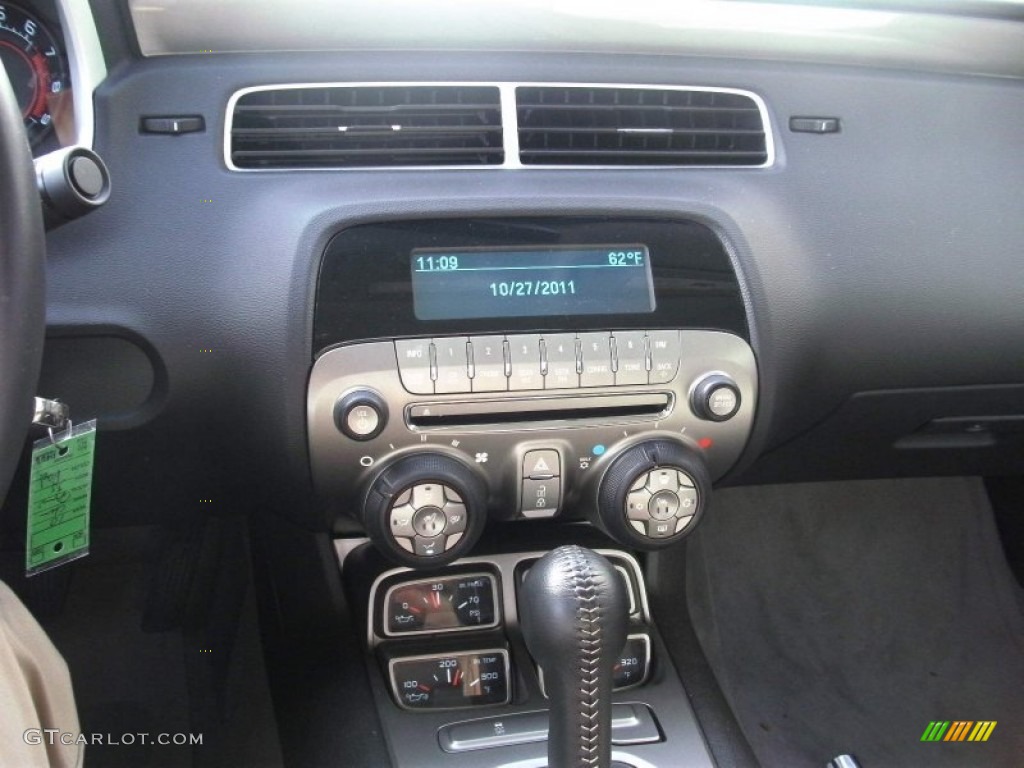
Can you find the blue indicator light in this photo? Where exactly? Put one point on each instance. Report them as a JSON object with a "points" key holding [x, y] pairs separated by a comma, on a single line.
{"points": [[597, 450]]}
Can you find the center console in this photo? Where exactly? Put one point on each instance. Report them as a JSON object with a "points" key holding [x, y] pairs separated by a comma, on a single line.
{"points": [[514, 369], [473, 376]]}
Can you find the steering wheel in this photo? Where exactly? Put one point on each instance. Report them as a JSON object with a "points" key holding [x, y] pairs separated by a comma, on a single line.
{"points": [[22, 283]]}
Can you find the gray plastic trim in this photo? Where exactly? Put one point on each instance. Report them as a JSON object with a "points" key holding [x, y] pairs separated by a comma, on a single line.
{"points": [[510, 126], [88, 68]]}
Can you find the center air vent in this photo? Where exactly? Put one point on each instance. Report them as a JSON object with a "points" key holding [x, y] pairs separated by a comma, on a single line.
{"points": [[572, 125], [366, 126]]}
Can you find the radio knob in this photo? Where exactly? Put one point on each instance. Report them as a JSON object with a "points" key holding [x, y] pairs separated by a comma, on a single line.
{"points": [[426, 509], [653, 494], [361, 414], [715, 398]]}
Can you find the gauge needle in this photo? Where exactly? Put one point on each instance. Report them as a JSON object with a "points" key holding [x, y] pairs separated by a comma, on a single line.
{"points": [[458, 676], [423, 687]]}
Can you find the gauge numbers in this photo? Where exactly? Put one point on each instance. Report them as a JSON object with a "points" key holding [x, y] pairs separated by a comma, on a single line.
{"points": [[35, 65], [441, 605], [451, 681]]}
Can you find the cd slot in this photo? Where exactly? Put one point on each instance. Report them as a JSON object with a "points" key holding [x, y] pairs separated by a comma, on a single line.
{"points": [[539, 409]]}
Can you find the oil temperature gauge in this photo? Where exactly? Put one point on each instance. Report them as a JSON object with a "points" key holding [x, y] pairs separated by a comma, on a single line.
{"points": [[451, 681], [631, 668], [441, 605]]}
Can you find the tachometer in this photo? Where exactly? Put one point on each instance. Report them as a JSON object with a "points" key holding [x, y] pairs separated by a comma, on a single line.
{"points": [[35, 66]]}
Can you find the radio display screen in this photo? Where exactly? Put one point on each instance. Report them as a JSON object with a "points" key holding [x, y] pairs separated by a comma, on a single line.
{"points": [[465, 283]]}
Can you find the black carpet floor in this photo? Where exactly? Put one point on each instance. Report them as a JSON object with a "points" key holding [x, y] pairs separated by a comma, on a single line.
{"points": [[845, 617]]}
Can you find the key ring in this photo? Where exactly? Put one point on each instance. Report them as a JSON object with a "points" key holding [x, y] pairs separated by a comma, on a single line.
{"points": [[67, 433]]}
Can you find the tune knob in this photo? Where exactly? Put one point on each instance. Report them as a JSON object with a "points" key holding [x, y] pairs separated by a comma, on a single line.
{"points": [[426, 509], [653, 494], [715, 398]]}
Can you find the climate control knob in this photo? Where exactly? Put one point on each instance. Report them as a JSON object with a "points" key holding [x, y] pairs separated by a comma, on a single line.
{"points": [[653, 494], [426, 509]]}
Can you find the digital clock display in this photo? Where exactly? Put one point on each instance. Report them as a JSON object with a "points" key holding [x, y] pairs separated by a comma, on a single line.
{"points": [[460, 284]]}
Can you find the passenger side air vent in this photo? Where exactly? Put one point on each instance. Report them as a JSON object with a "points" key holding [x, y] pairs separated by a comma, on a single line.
{"points": [[571, 125], [366, 126]]}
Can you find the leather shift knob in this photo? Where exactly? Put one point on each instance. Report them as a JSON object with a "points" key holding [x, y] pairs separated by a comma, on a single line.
{"points": [[573, 610]]}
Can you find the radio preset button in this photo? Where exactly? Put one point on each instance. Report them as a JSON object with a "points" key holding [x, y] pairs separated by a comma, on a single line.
{"points": [[560, 353], [524, 360], [414, 365], [596, 359], [489, 363], [665, 351], [452, 365], [631, 357]]}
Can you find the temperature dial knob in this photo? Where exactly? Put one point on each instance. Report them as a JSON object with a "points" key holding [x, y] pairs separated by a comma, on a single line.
{"points": [[653, 493], [426, 509]]}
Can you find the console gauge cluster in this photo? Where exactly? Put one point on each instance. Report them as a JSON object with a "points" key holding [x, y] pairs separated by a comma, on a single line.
{"points": [[447, 642]]}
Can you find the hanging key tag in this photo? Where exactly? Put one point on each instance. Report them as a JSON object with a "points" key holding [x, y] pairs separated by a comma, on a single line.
{"points": [[60, 489]]}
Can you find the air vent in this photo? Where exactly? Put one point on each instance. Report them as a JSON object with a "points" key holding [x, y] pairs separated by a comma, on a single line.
{"points": [[366, 126], [639, 126]]}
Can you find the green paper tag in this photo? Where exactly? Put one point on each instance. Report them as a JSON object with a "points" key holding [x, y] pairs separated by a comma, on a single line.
{"points": [[60, 488]]}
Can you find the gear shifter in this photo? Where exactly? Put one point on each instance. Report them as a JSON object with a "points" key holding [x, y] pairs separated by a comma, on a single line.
{"points": [[573, 610]]}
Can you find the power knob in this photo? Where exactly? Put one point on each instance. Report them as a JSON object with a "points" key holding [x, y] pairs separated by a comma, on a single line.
{"points": [[426, 509], [715, 398], [361, 414], [653, 494]]}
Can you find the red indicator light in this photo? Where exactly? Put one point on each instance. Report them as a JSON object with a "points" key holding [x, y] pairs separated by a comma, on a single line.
{"points": [[705, 443]]}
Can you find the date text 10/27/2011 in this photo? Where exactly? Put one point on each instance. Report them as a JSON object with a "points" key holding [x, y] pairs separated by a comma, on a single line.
{"points": [[512, 288]]}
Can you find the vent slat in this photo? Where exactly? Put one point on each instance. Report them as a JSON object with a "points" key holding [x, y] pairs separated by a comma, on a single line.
{"points": [[321, 109], [582, 125], [367, 126]]}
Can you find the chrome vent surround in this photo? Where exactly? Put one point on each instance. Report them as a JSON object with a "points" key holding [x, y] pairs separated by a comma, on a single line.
{"points": [[366, 126], [586, 125], [332, 126]]}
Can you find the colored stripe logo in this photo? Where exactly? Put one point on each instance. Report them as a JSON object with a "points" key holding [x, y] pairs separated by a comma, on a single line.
{"points": [[958, 730]]}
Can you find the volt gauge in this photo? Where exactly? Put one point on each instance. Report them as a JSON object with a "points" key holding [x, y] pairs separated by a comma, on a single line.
{"points": [[451, 681]]}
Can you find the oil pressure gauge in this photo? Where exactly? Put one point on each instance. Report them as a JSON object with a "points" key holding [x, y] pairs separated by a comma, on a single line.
{"points": [[445, 604], [451, 681]]}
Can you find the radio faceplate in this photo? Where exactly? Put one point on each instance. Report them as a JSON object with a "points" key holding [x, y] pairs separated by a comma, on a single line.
{"points": [[538, 448]]}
